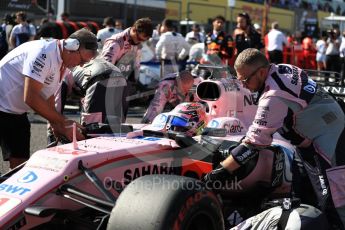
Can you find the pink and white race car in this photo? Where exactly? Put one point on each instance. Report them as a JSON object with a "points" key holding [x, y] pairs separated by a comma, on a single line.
{"points": [[150, 181]]}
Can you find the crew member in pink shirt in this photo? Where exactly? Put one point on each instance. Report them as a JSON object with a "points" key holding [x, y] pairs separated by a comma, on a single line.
{"points": [[292, 104]]}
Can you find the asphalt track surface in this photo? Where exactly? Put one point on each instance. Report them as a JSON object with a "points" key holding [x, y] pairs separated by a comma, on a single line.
{"points": [[38, 138]]}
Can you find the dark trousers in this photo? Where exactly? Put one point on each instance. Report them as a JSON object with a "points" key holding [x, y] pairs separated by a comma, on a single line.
{"points": [[14, 135], [276, 56], [333, 63]]}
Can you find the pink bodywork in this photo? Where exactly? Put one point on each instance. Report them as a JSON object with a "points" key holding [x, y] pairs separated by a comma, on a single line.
{"points": [[227, 97], [115, 159], [47, 169]]}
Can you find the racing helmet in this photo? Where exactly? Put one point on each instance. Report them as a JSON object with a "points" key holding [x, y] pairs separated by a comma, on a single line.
{"points": [[158, 123], [187, 117]]}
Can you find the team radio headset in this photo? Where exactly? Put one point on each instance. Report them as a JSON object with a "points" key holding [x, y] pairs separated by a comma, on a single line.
{"points": [[73, 44], [70, 44]]}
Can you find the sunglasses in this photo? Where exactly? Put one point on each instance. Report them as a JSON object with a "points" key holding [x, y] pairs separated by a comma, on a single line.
{"points": [[141, 38], [247, 79]]}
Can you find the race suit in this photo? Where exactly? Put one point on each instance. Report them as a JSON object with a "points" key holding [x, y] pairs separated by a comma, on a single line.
{"points": [[220, 44], [119, 50], [101, 87], [293, 105], [302, 217], [309, 53], [166, 93]]}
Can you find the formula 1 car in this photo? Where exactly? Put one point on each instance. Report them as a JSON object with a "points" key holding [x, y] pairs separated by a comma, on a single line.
{"points": [[150, 181]]}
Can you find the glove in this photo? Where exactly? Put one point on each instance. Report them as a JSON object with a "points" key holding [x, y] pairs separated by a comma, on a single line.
{"points": [[220, 174]]}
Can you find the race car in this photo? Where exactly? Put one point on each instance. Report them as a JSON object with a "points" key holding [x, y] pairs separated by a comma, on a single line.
{"points": [[152, 180]]}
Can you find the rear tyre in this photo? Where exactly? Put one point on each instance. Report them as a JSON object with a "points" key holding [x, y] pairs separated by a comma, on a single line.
{"points": [[163, 202]]}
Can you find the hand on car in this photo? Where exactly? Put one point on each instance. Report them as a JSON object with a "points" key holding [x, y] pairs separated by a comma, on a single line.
{"points": [[220, 174], [65, 129]]}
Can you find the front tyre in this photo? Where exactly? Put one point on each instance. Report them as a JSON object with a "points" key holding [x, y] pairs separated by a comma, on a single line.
{"points": [[163, 202]]}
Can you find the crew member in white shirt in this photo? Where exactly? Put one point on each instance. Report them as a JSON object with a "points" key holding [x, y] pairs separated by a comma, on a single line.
{"points": [[171, 48], [22, 32], [195, 36], [108, 30], [276, 41], [333, 62], [29, 77], [321, 52]]}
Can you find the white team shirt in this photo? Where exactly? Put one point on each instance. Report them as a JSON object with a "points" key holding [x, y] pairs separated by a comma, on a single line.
{"points": [[19, 28], [321, 50], [276, 39], [196, 37], [171, 46], [105, 33], [39, 60]]}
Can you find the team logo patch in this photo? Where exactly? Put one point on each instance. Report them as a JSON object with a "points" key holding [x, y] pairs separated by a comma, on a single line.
{"points": [[284, 69], [310, 89], [28, 177]]}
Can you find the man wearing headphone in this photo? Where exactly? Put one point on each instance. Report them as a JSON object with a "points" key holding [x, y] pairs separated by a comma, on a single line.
{"points": [[29, 77]]}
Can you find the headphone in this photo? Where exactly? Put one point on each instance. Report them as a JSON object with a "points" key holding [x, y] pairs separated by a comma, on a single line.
{"points": [[247, 17], [71, 44]]}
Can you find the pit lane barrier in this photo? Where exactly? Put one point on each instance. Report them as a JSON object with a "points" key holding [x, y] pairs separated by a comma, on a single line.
{"points": [[296, 55]]}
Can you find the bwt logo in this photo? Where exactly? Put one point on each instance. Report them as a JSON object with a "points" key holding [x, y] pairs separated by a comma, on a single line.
{"points": [[28, 177]]}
